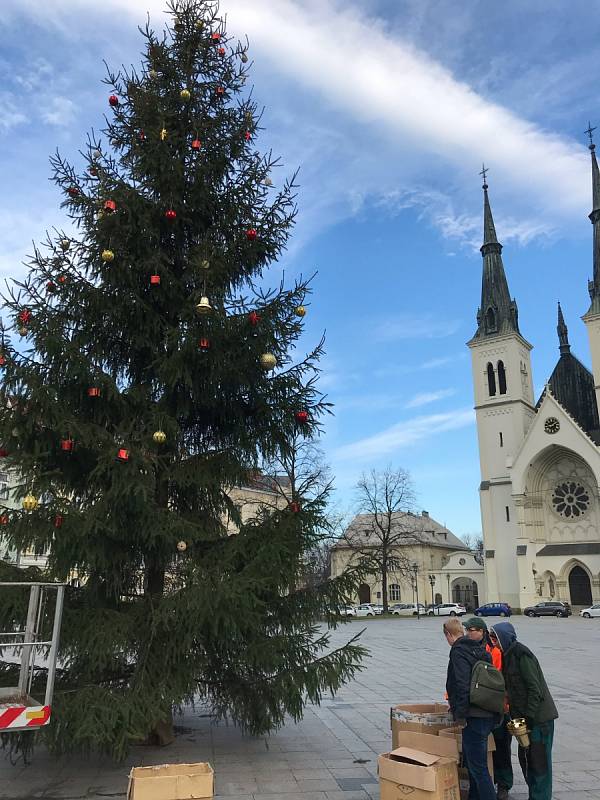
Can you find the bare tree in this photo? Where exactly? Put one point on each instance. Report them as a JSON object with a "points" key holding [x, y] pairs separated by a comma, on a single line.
{"points": [[474, 541], [386, 525]]}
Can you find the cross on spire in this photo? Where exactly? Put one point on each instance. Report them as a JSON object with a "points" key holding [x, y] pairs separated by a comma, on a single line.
{"points": [[484, 172], [589, 132]]}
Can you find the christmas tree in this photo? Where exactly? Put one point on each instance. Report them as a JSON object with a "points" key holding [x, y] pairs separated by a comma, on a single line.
{"points": [[147, 371]]}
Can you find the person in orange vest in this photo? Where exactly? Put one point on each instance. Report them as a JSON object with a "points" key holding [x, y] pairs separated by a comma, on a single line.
{"points": [[503, 774]]}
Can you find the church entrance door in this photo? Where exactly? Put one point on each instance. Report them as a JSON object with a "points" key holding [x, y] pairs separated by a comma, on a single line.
{"points": [[364, 593], [580, 588]]}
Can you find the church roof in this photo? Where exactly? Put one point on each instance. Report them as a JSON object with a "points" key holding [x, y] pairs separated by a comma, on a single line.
{"points": [[572, 384], [498, 313], [424, 529]]}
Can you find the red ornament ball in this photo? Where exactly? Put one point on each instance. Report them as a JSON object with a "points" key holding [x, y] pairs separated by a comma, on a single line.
{"points": [[62, 278], [73, 191], [110, 206], [51, 287], [220, 91], [215, 37], [24, 316], [294, 507], [141, 136], [66, 445], [170, 214], [123, 454], [4, 519], [58, 520], [93, 391], [204, 345], [196, 145], [253, 318], [2, 360], [251, 234], [302, 417], [113, 100], [154, 280], [93, 172], [221, 51], [247, 136]]}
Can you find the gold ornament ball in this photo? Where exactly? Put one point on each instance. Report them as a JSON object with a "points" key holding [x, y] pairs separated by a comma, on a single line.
{"points": [[163, 134], [268, 361], [160, 437], [205, 264], [300, 311], [23, 331], [200, 25], [182, 546], [65, 244], [185, 94], [30, 502], [153, 74], [108, 255]]}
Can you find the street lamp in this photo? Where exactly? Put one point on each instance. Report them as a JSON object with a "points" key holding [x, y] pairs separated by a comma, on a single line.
{"points": [[432, 584], [415, 569]]}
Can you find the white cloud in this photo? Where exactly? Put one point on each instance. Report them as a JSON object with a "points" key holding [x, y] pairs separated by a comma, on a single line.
{"points": [[12, 115], [443, 361], [425, 398], [413, 326], [60, 111], [403, 434]]}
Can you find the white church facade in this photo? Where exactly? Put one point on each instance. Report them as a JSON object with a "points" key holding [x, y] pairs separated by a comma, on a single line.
{"points": [[540, 460]]}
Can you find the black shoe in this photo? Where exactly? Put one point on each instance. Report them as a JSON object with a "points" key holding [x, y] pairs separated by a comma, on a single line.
{"points": [[502, 793]]}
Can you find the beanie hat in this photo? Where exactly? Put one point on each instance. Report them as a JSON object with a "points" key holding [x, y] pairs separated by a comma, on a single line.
{"points": [[476, 622]]}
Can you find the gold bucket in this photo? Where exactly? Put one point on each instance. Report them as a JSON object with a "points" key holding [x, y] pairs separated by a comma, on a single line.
{"points": [[518, 728]]}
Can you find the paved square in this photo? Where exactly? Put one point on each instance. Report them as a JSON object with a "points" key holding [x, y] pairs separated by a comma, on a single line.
{"points": [[332, 753]]}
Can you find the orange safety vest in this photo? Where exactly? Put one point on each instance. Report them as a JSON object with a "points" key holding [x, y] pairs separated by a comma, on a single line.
{"points": [[496, 655]]}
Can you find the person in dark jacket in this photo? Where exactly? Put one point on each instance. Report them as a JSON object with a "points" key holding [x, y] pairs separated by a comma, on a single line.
{"points": [[478, 723], [477, 629], [528, 697]]}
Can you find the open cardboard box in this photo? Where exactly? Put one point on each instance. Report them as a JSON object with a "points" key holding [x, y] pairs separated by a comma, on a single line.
{"points": [[424, 776], [420, 718], [456, 734], [171, 782]]}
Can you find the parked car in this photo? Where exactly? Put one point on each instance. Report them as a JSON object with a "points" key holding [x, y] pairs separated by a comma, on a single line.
{"points": [[377, 608], [494, 610], [364, 610], [447, 610], [592, 611], [348, 611], [553, 608], [408, 610]]}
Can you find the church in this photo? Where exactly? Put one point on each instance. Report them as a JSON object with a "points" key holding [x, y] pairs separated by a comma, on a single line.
{"points": [[539, 459]]}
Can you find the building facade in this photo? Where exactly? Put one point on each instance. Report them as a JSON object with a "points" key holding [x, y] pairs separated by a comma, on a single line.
{"points": [[446, 571], [539, 460]]}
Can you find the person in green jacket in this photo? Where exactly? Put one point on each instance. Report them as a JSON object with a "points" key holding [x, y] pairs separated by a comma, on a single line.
{"points": [[528, 697]]}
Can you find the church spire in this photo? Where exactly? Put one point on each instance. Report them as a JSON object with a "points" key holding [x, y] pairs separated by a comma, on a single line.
{"points": [[594, 284], [563, 333], [498, 313]]}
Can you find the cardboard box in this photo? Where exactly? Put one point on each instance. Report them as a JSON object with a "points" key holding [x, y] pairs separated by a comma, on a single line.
{"points": [[171, 782], [422, 776], [420, 718], [456, 734]]}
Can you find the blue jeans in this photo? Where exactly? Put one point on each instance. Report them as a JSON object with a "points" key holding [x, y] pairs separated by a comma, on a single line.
{"points": [[474, 745]]}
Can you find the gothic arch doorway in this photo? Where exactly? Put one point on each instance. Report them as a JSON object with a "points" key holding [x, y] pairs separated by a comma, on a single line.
{"points": [[364, 593], [580, 587], [466, 592]]}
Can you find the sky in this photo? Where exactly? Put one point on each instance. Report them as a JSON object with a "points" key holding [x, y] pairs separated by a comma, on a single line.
{"points": [[388, 108]]}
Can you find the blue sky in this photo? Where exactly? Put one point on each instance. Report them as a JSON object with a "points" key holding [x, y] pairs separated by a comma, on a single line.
{"points": [[389, 108]]}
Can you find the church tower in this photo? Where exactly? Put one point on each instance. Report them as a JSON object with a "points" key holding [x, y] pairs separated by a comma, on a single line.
{"points": [[592, 317], [504, 408]]}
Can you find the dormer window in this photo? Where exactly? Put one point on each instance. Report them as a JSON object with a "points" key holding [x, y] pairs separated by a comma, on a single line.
{"points": [[490, 321]]}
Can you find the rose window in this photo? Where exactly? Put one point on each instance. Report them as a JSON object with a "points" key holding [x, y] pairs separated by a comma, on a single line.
{"points": [[570, 500]]}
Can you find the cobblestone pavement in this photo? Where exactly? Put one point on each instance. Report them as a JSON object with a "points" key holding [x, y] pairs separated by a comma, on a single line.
{"points": [[332, 753]]}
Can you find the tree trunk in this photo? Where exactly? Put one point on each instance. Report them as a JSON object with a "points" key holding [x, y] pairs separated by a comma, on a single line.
{"points": [[384, 582]]}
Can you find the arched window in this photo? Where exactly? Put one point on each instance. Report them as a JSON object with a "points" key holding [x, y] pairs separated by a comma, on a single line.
{"points": [[395, 593], [501, 377], [551, 589], [490, 320], [491, 377]]}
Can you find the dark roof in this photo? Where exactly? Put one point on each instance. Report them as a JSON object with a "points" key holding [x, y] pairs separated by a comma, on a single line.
{"points": [[426, 530], [498, 313], [572, 384], [583, 549]]}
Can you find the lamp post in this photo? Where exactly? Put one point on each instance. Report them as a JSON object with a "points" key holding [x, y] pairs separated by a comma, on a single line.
{"points": [[415, 569], [432, 584]]}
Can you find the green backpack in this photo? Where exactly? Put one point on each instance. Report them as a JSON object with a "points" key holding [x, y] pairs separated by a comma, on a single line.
{"points": [[487, 687]]}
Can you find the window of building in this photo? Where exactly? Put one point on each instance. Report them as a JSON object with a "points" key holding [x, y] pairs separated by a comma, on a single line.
{"points": [[501, 440], [507, 513], [395, 593], [491, 377], [501, 377], [490, 321]]}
